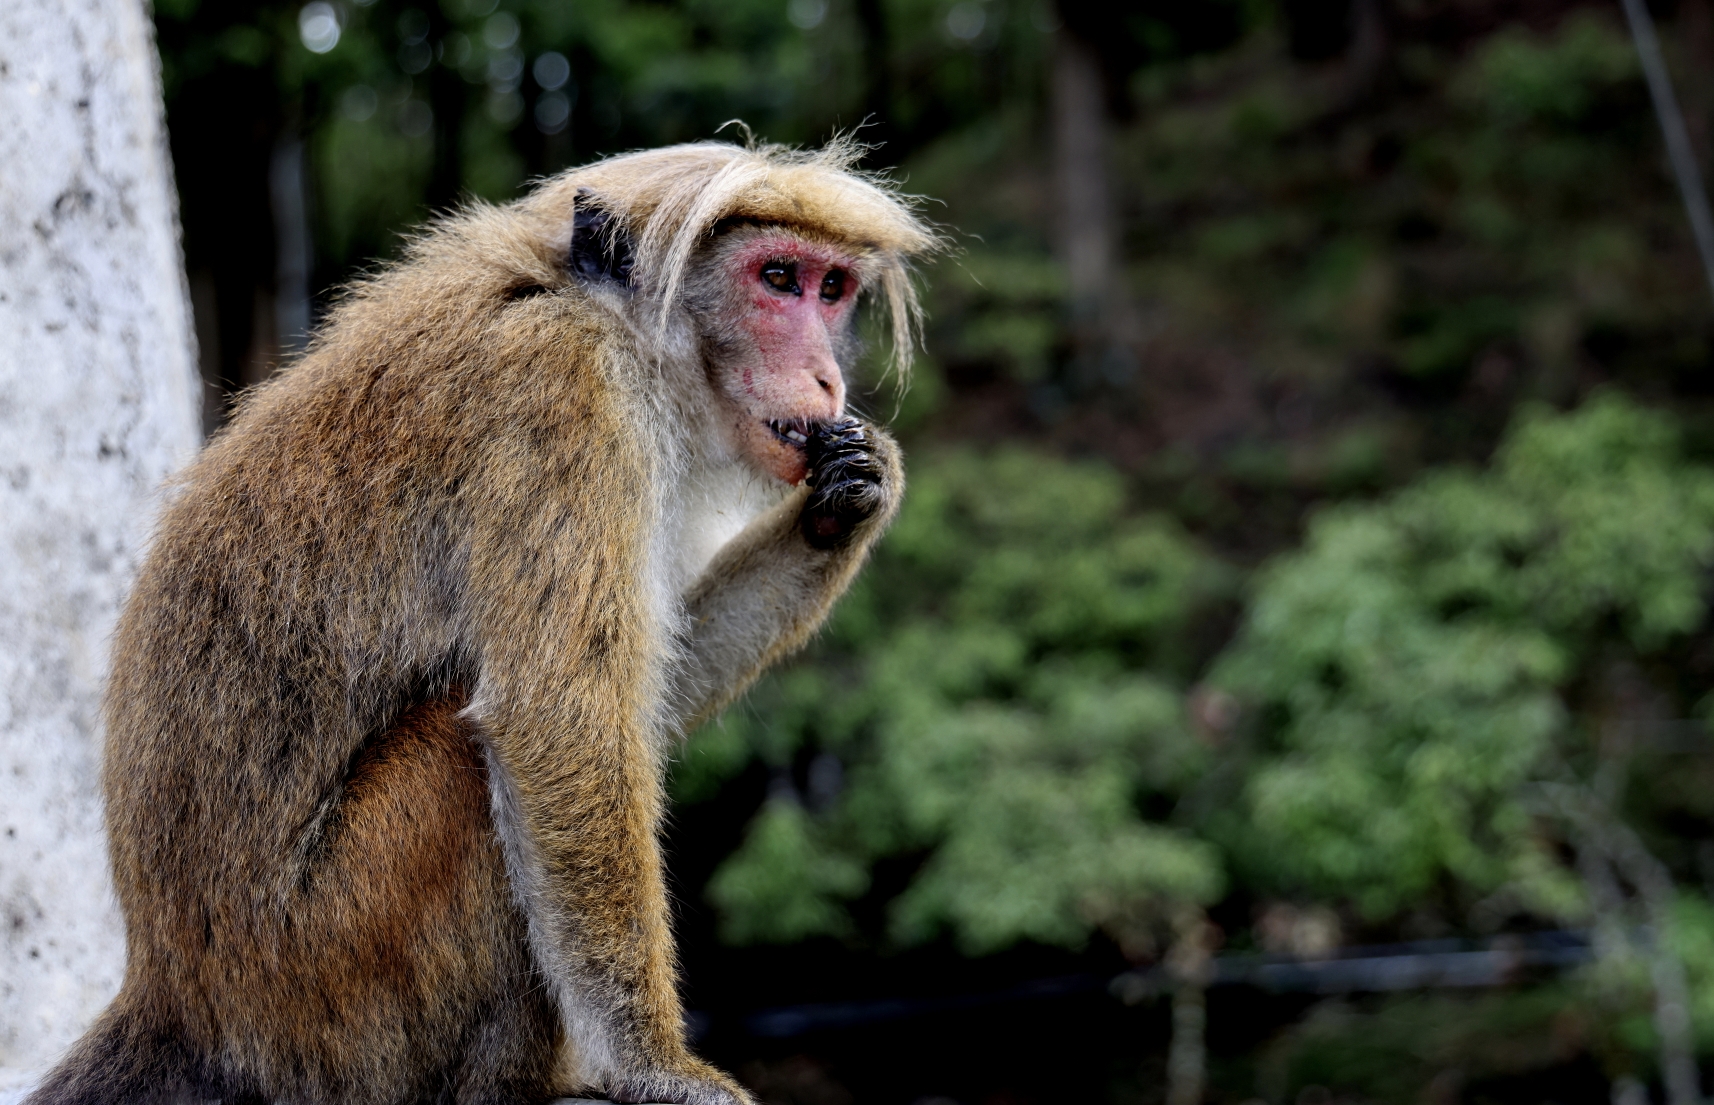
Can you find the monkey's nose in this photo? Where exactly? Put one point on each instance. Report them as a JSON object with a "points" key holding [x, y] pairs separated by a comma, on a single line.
{"points": [[827, 376]]}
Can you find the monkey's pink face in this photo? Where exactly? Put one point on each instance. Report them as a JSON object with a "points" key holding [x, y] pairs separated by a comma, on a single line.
{"points": [[794, 301]]}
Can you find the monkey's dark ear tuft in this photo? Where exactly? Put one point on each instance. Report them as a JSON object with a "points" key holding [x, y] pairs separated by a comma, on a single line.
{"points": [[600, 247]]}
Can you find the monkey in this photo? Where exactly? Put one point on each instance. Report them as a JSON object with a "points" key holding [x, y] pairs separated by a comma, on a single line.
{"points": [[393, 694]]}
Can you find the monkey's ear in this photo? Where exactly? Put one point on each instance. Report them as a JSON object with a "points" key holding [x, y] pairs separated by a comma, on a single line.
{"points": [[600, 247]]}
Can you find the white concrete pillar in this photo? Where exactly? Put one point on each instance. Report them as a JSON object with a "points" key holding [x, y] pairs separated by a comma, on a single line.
{"points": [[98, 402]]}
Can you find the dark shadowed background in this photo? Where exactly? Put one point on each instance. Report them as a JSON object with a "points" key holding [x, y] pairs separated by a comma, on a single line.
{"points": [[1289, 678]]}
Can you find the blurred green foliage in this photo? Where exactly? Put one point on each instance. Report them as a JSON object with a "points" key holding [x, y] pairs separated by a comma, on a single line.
{"points": [[1429, 239], [1005, 693], [1002, 705], [1408, 664]]}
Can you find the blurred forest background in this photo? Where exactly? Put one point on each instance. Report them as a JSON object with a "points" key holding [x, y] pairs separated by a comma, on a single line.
{"points": [[1289, 680]]}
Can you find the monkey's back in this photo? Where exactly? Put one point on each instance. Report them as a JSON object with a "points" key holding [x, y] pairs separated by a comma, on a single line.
{"points": [[299, 819]]}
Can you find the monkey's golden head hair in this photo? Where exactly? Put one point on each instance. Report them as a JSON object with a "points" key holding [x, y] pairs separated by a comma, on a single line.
{"points": [[670, 199]]}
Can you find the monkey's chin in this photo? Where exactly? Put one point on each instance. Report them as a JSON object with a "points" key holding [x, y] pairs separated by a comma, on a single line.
{"points": [[775, 453]]}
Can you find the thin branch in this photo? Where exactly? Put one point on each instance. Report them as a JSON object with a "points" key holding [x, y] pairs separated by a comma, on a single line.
{"points": [[1607, 846], [1672, 128]]}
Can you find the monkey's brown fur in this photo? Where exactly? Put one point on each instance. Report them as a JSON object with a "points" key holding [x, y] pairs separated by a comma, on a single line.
{"points": [[391, 698]]}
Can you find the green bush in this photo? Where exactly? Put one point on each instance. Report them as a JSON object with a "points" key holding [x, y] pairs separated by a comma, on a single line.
{"points": [[1410, 666]]}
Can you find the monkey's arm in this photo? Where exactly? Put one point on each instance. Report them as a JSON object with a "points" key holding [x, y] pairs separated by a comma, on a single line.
{"points": [[773, 585], [563, 625]]}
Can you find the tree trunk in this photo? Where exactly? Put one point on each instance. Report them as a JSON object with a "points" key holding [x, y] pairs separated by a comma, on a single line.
{"points": [[1190, 965], [98, 401], [1083, 201], [292, 246], [1187, 1059], [1366, 60], [1103, 323]]}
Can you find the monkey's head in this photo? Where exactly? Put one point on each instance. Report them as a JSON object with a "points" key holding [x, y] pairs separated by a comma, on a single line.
{"points": [[778, 338], [758, 255]]}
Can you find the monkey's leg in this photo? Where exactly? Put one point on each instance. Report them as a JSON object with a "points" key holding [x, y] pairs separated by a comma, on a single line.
{"points": [[580, 819], [774, 584], [575, 765], [566, 632]]}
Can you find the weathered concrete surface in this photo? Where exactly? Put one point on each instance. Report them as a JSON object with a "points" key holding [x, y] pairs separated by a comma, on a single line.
{"points": [[98, 401]]}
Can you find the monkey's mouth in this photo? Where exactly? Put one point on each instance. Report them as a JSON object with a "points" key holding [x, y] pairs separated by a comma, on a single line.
{"points": [[793, 431], [780, 446]]}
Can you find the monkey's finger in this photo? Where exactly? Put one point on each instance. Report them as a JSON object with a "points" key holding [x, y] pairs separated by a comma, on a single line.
{"points": [[844, 471], [832, 438], [856, 492], [846, 463]]}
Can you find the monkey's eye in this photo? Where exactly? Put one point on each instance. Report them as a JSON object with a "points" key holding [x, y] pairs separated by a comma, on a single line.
{"points": [[781, 276], [833, 285]]}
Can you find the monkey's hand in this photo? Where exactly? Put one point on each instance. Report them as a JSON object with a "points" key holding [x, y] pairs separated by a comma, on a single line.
{"points": [[853, 477], [701, 1084]]}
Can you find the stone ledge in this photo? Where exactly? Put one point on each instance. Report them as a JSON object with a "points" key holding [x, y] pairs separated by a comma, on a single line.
{"points": [[15, 1084]]}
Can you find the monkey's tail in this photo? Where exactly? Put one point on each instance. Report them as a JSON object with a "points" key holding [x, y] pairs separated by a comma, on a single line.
{"points": [[122, 1058]]}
